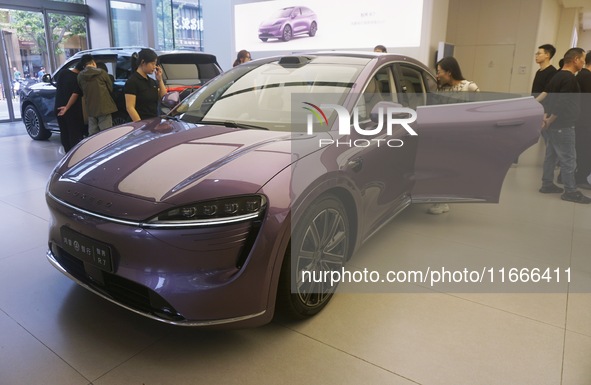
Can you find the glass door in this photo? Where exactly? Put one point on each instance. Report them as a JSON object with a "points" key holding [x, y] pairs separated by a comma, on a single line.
{"points": [[27, 56], [23, 58], [68, 36]]}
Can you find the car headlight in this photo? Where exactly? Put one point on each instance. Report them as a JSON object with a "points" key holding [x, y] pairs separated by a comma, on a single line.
{"points": [[214, 212]]}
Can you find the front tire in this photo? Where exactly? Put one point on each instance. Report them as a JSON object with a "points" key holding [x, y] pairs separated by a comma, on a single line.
{"points": [[320, 244], [34, 124], [287, 33], [313, 29], [263, 39]]}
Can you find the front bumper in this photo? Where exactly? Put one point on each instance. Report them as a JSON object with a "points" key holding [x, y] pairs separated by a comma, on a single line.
{"points": [[165, 313], [270, 33], [189, 277]]}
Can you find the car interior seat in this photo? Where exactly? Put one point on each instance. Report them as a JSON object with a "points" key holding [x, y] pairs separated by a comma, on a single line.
{"points": [[372, 95]]}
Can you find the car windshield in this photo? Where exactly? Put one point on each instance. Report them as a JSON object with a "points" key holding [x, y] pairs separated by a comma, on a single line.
{"points": [[285, 12], [261, 94]]}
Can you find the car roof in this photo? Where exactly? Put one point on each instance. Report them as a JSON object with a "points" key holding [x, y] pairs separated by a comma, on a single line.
{"points": [[350, 54], [131, 49]]}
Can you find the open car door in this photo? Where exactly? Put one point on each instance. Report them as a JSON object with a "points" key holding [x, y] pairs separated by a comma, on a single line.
{"points": [[185, 71], [465, 149]]}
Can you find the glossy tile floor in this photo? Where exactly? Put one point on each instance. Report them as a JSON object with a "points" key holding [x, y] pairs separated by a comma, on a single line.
{"points": [[54, 332]]}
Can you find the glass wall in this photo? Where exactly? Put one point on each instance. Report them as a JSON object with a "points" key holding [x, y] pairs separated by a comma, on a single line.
{"points": [[68, 36], [187, 25], [179, 24], [27, 54], [128, 24]]}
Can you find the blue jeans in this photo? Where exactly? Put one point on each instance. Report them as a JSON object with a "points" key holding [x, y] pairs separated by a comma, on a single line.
{"points": [[560, 146]]}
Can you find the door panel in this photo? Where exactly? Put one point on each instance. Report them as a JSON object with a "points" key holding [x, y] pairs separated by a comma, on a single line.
{"points": [[381, 173], [465, 149]]}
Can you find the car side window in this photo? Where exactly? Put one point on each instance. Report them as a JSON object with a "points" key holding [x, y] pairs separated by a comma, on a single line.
{"points": [[379, 88], [123, 69], [412, 86]]}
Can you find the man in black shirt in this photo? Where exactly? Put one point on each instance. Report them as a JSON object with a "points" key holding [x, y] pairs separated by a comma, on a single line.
{"points": [[583, 127], [562, 113], [546, 71], [68, 105]]}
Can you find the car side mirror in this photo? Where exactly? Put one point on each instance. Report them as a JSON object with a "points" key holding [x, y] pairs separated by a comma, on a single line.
{"points": [[171, 99], [374, 115], [46, 78]]}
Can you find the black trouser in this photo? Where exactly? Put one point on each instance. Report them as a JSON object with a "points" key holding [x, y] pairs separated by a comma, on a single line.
{"points": [[71, 129], [583, 145]]}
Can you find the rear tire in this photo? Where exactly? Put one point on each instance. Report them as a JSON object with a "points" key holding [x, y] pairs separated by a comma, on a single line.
{"points": [[320, 243]]}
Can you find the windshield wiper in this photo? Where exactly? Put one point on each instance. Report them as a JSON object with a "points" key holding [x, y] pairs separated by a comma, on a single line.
{"points": [[232, 124], [170, 117]]}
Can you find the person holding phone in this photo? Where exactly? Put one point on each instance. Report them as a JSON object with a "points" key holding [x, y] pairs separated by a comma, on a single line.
{"points": [[142, 92]]}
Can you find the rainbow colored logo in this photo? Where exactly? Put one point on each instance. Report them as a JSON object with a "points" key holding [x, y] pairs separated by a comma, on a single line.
{"points": [[317, 112]]}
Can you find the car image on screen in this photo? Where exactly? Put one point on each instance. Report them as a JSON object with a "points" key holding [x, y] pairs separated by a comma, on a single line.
{"points": [[288, 22]]}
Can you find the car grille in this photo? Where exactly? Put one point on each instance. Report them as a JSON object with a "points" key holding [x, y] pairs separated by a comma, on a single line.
{"points": [[119, 289]]}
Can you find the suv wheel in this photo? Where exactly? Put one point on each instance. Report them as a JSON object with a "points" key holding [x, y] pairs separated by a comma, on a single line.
{"points": [[34, 124], [120, 119]]}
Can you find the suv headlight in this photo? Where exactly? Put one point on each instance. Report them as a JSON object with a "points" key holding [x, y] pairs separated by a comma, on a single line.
{"points": [[214, 212]]}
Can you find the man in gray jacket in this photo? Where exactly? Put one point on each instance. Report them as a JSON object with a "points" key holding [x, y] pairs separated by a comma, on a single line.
{"points": [[97, 87]]}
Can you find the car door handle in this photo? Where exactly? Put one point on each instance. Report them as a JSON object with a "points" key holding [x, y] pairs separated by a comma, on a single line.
{"points": [[510, 123], [355, 164]]}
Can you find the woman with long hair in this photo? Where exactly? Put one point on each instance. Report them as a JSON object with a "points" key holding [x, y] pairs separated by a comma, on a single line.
{"points": [[449, 76], [141, 91], [242, 57]]}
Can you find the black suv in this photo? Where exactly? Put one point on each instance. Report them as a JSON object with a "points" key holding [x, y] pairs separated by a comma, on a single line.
{"points": [[182, 71]]}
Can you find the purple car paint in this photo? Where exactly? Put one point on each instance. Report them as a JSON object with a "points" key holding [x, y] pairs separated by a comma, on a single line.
{"points": [[288, 22], [203, 217]]}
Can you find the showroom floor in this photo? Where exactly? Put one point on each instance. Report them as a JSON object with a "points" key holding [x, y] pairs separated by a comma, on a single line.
{"points": [[54, 332]]}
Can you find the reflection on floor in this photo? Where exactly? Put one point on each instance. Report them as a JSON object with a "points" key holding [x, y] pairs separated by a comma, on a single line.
{"points": [[54, 332]]}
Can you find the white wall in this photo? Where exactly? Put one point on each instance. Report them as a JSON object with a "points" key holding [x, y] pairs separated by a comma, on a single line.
{"points": [[218, 30], [495, 41], [585, 40], [569, 18]]}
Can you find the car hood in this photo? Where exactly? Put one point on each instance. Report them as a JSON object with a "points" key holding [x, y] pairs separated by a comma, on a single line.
{"points": [[140, 169], [270, 22], [38, 86]]}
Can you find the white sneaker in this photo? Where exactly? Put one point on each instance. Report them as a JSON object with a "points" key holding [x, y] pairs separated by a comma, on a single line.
{"points": [[438, 208]]}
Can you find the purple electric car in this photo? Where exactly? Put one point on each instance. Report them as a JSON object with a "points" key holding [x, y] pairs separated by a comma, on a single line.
{"points": [[279, 167], [288, 22]]}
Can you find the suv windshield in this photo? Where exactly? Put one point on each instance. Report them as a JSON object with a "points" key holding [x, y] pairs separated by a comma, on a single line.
{"points": [[261, 95]]}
